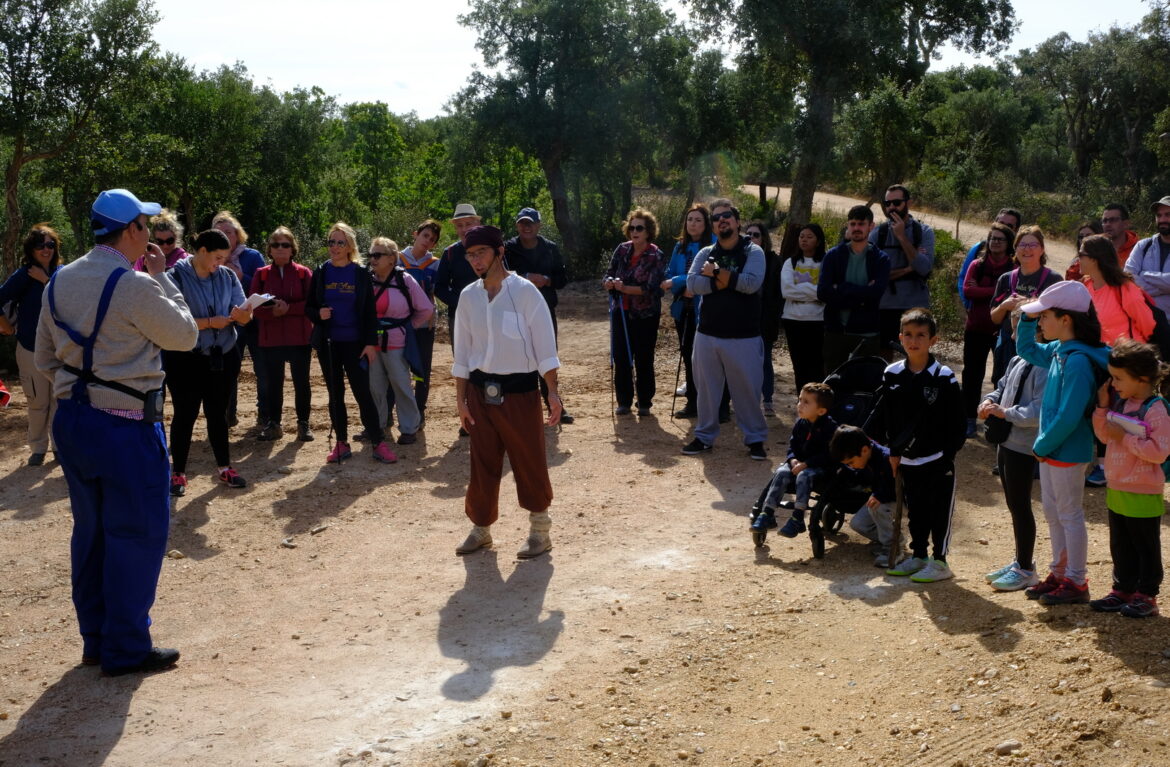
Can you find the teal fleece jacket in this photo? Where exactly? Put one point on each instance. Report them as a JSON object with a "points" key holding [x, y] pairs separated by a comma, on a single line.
{"points": [[1066, 433]]}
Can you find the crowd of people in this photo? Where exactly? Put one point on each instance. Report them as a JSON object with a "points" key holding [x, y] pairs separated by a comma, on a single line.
{"points": [[1076, 370]]}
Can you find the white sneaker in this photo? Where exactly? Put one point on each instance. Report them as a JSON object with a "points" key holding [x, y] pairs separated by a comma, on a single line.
{"points": [[998, 573], [681, 391], [934, 571], [1015, 579], [907, 566]]}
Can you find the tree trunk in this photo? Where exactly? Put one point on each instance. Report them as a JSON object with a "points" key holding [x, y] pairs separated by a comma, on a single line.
{"points": [[763, 188], [12, 206], [814, 148], [554, 174]]}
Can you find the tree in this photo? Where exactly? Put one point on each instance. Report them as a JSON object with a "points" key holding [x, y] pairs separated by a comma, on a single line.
{"points": [[841, 46], [58, 60]]}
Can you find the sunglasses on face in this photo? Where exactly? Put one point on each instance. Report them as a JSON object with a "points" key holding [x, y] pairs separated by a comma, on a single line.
{"points": [[721, 216], [46, 245], [336, 243], [893, 203], [375, 256], [162, 241], [282, 245], [637, 227], [755, 235]]}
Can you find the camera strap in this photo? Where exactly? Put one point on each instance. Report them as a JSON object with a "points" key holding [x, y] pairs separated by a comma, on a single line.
{"points": [[85, 374]]}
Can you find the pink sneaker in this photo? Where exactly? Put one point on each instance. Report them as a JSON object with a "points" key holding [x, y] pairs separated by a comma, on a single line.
{"points": [[384, 454], [341, 452]]}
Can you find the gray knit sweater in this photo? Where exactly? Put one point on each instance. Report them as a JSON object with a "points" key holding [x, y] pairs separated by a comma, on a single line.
{"points": [[146, 314]]}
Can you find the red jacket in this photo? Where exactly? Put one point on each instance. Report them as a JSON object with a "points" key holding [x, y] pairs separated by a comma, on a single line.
{"points": [[293, 328]]}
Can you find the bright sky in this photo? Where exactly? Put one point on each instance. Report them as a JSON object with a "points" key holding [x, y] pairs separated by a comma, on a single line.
{"points": [[414, 55]]}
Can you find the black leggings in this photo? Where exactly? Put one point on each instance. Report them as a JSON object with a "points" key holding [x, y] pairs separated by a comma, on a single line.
{"points": [[685, 328], [1136, 548], [298, 358], [1016, 474], [806, 347], [976, 346], [192, 383], [345, 365]]}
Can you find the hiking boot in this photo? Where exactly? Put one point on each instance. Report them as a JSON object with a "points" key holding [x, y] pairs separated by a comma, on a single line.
{"points": [[1015, 579], [765, 520], [935, 570], [907, 566], [478, 538], [340, 452], [757, 452], [230, 478], [972, 427], [1111, 602], [270, 432], [178, 485], [158, 659], [36, 459], [999, 572], [1067, 593], [695, 447], [1043, 587], [1141, 606], [407, 439], [383, 454], [643, 411], [622, 410], [793, 527], [304, 433]]}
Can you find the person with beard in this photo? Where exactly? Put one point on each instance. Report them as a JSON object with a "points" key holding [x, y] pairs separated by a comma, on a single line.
{"points": [[504, 342], [851, 284], [729, 347], [909, 244], [1147, 260]]}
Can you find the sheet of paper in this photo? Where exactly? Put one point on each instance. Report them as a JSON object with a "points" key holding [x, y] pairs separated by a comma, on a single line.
{"points": [[257, 300]]}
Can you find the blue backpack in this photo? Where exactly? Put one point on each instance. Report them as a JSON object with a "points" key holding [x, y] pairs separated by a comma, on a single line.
{"points": [[1145, 408]]}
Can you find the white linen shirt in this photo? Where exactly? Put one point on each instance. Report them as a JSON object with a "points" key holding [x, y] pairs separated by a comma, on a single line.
{"points": [[511, 333]]}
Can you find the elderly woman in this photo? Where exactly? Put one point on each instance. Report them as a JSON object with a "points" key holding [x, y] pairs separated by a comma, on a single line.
{"points": [[345, 334], [403, 308], [696, 234], [23, 289], [244, 261], [634, 281], [992, 260], [205, 375], [1030, 278], [167, 233], [284, 331]]}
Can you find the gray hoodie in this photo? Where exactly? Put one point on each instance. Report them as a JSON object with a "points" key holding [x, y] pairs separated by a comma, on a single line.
{"points": [[1024, 416]]}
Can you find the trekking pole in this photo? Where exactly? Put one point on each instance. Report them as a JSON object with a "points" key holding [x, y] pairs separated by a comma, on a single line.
{"points": [[612, 367]]}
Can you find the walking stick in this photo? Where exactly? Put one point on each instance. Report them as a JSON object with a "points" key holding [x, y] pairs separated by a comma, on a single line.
{"points": [[899, 506], [612, 368]]}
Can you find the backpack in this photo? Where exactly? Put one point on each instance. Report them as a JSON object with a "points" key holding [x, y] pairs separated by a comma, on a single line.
{"points": [[1160, 337], [883, 242], [410, 349], [1100, 378], [1145, 408]]}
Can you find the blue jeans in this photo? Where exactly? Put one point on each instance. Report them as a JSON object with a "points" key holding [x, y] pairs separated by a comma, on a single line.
{"points": [[120, 498], [784, 482]]}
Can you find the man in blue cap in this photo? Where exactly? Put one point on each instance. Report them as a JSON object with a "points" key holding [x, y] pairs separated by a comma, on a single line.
{"points": [[538, 260], [102, 330]]}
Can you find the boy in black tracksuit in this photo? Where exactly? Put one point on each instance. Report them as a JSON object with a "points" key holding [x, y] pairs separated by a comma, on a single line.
{"points": [[872, 473], [919, 417]]}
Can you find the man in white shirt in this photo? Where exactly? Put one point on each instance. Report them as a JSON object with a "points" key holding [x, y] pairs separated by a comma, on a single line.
{"points": [[504, 344]]}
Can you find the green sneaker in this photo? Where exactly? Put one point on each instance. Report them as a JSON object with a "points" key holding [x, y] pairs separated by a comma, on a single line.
{"points": [[907, 566]]}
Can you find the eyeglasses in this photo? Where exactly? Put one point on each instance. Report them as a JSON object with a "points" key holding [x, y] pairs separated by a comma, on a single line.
{"points": [[46, 245], [636, 227], [1029, 246], [338, 243], [893, 203], [755, 235], [997, 239], [376, 256], [1110, 220], [282, 245], [161, 241], [721, 216]]}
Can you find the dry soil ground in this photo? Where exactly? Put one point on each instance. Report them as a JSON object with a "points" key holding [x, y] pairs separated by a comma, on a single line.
{"points": [[654, 633]]}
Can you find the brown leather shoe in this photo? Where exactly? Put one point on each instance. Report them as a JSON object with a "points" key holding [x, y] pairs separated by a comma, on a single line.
{"points": [[537, 544]]}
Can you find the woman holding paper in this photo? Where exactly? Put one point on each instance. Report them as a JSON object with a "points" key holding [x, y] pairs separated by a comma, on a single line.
{"points": [[206, 375], [284, 331]]}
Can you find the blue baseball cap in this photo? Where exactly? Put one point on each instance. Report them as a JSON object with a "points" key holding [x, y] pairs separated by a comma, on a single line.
{"points": [[532, 214], [114, 209]]}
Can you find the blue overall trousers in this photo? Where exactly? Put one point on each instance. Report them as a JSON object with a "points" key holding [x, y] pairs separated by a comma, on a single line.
{"points": [[118, 474]]}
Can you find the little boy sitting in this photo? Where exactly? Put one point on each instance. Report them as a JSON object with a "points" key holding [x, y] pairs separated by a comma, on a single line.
{"points": [[808, 458], [919, 416], [871, 465]]}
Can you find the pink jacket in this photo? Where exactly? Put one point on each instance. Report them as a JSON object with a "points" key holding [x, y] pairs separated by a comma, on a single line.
{"points": [[1123, 312], [1134, 464]]}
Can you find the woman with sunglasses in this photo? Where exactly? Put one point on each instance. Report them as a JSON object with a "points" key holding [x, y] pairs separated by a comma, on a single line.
{"points": [[696, 234], [634, 281], [205, 376], [772, 305], [167, 233], [992, 261], [345, 335], [1030, 278], [284, 331], [23, 290], [1088, 228], [400, 302]]}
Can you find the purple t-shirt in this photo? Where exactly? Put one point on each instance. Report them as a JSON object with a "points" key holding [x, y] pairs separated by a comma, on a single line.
{"points": [[340, 296]]}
